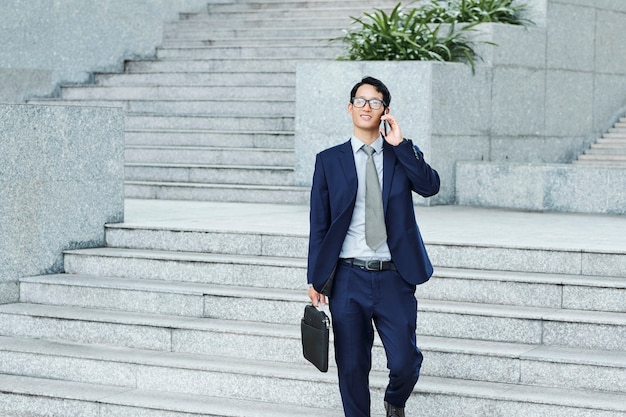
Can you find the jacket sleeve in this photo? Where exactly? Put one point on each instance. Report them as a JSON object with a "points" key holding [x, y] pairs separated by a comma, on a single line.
{"points": [[424, 179], [319, 216]]}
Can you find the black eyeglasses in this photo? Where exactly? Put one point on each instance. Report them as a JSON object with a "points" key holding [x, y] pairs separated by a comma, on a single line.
{"points": [[375, 104]]}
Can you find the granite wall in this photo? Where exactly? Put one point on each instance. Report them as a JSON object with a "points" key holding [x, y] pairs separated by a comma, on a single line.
{"points": [[47, 42], [542, 187], [61, 180]]}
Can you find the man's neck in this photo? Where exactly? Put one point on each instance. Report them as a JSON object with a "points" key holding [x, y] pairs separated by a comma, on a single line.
{"points": [[366, 136]]}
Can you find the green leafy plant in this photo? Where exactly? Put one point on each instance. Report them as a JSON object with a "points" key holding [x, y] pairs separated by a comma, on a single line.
{"points": [[475, 11], [435, 31], [398, 36]]}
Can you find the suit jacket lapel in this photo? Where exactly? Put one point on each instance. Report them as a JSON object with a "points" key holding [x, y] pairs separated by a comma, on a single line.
{"points": [[347, 164]]}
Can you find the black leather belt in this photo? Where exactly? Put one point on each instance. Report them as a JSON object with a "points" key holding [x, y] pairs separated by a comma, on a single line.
{"points": [[370, 265]]}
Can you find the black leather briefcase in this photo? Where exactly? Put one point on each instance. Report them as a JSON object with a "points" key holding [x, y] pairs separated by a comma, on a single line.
{"points": [[315, 327]]}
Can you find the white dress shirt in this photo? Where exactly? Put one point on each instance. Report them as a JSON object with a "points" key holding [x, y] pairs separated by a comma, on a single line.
{"points": [[354, 245]]}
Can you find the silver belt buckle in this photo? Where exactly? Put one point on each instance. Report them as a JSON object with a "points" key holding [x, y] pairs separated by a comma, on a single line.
{"points": [[368, 268]]}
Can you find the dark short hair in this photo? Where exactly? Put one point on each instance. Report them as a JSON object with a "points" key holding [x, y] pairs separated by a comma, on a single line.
{"points": [[377, 84]]}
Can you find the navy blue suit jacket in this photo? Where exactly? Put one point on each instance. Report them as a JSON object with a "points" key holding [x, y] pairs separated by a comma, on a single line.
{"points": [[333, 196]]}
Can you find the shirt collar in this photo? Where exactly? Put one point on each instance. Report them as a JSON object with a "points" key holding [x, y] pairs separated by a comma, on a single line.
{"points": [[358, 143]]}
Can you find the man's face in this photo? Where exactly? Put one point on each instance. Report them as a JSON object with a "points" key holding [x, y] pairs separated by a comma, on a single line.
{"points": [[366, 118]]}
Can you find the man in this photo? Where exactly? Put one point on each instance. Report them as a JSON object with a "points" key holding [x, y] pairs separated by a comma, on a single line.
{"points": [[369, 266]]}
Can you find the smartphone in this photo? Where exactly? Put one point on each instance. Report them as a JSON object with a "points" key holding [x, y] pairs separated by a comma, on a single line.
{"points": [[385, 128]]}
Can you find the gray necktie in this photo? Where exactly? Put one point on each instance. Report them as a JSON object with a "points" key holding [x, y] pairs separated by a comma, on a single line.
{"points": [[375, 230]]}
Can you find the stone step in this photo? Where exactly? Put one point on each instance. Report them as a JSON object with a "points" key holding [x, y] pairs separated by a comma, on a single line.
{"points": [[338, 14], [557, 291], [197, 79], [617, 137], [22, 396], [285, 64], [241, 107], [600, 163], [219, 174], [515, 324], [321, 51], [256, 122], [208, 24], [445, 357], [435, 397], [249, 268], [319, 12], [271, 5], [213, 244], [606, 149], [543, 260], [157, 332], [619, 142], [272, 342], [214, 138], [91, 103], [177, 93], [200, 40], [194, 373], [216, 192], [194, 267], [209, 155], [172, 372], [180, 34], [603, 157], [267, 341]]}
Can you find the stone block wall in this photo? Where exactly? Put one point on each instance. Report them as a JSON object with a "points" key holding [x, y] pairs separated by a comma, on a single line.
{"points": [[542, 187], [61, 180]]}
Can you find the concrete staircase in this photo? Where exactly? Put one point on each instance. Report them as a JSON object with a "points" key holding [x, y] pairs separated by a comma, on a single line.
{"points": [[212, 116], [201, 320], [610, 150], [196, 320]]}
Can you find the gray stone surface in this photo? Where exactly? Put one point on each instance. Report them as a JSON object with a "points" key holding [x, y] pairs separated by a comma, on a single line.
{"points": [[519, 46], [217, 192], [43, 45], [9, 291], [37, 397], [585, 335], [491, 291], [571, 37], [20, 83], [569, 105], [61, 180], [553, 187], [93, 326], [611, 263], [113, 294], [215, 269], [518, 102], [606, 299]]}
